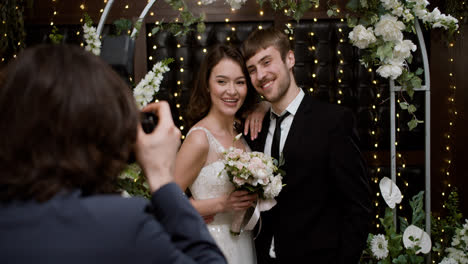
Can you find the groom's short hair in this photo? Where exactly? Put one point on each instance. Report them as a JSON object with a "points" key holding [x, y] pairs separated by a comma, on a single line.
{"points": [[264, 38]]}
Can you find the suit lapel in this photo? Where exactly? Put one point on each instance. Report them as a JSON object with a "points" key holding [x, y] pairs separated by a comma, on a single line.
{"points": [[298, 127]]}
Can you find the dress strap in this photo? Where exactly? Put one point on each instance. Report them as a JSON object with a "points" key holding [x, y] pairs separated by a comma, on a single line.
{"points": [[214, 143]]}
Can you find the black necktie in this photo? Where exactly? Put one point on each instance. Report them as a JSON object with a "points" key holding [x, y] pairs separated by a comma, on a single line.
{"points": [[275, 144]]}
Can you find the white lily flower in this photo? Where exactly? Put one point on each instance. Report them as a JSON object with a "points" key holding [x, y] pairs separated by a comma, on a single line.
{"points": [[390, 192], [419, 238]]}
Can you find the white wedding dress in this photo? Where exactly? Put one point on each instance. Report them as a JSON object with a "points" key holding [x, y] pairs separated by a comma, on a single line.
{"points": [[210, 184]]}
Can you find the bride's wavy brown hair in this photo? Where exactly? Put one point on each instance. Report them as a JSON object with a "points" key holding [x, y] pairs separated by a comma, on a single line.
{"points": [[67, 121], [200, 100]]}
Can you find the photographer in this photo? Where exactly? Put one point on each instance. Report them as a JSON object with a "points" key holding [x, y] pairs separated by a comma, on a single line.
{"points": [[67, 126]]}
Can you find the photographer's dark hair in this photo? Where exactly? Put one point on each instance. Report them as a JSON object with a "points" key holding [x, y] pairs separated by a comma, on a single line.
{"points": [[67, 121], [200, 100]]}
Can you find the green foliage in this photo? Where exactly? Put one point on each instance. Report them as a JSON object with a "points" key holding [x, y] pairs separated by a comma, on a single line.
{"points": [[416, 204], [443, 227], [294, 9], [55, 37], [122, 26], [88, 20], [185, 23], [396, 251], [134, 182]]}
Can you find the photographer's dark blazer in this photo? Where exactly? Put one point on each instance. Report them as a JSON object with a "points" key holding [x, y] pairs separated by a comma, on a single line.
{"points": [[70, 228], [323, 211]]}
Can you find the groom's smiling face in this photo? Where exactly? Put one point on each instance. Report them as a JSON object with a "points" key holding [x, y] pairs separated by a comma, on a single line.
{"points": [[270, 74]]}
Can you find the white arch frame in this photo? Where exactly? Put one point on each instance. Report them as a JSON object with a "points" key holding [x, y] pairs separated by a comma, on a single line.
{"points": [[427, 138], [106, 12]]}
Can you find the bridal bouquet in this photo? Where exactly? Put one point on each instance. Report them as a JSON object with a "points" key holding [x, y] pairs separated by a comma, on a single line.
{"points": [[254, 172]]}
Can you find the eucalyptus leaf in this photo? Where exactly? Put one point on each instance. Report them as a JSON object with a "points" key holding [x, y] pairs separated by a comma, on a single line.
{"points": [[404, 105], [411, 109], [385, 51], [416, 204], [410, 91], [412, 124], [419, 71], [403, 223]]}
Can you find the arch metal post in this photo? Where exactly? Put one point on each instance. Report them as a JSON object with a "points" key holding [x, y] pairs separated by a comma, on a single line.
{"points": [[427, 132]]}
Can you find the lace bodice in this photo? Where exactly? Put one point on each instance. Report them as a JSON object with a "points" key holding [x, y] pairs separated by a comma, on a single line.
{"points": [[210, 183]]}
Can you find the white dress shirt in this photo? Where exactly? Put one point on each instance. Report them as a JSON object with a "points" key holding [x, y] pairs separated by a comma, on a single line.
{"points": [[285, 125]]}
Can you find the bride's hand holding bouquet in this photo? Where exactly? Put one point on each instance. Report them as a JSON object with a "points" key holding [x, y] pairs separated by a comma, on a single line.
{"points": [[256, 173]]}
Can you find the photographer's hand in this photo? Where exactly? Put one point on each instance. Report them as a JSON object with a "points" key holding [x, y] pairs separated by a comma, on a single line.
{"points": [[156, 152]]}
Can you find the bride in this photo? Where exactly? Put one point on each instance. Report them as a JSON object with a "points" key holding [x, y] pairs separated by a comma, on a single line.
{"points": [[220, 96]]}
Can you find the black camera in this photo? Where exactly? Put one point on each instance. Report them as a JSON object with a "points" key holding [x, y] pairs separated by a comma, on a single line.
{"points": [[148, 121]]}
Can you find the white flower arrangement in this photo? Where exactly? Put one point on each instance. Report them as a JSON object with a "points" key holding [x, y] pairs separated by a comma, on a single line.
{"points": [[458, 253], [379, 33], [387, 248], [93, 43], [149, 85]]}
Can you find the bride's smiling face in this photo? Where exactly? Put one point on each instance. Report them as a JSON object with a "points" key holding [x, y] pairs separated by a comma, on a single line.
{"points": [[227, 87]]}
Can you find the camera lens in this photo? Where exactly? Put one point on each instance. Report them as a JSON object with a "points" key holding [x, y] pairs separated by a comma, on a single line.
{"points": [[148, 121]]}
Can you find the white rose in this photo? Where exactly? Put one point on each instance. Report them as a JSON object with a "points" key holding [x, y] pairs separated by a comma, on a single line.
{"points": [[260, 173], [432, 16], [274, 188], [391, 70], [420, 13], [362, 37], [389, 28], [403, 49]]}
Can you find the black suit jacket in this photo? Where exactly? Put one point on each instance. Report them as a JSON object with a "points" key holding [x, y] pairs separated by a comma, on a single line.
{"points": [[325, 204], [106, 229]]}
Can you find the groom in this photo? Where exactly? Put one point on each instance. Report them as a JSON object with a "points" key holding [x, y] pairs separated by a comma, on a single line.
{"points": [[323, 211]]}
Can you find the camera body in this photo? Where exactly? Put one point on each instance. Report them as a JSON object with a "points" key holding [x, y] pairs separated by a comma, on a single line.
{"points": [[148, 121]]}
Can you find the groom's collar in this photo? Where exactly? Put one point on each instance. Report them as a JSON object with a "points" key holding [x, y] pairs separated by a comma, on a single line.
{"points": [[292, 107]]}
